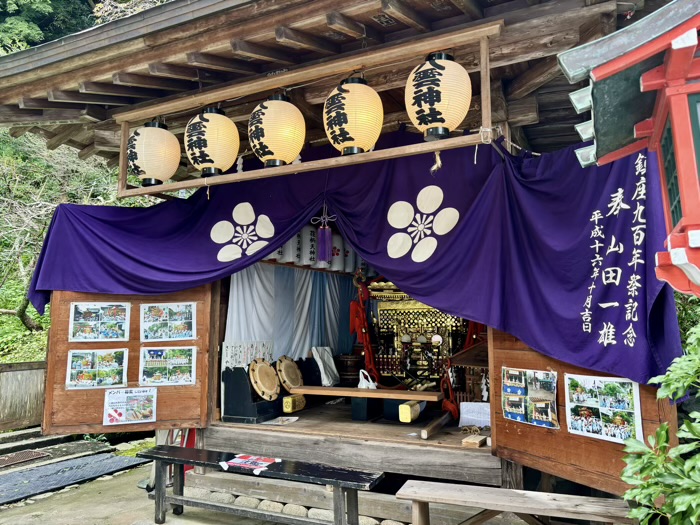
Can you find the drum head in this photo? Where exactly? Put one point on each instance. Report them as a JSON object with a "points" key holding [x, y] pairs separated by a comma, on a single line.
{"points": [[289, 373], [264, 379]]}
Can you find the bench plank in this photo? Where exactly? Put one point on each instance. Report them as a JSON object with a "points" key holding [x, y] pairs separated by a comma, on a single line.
{"points": [[285, 469], [369, 393], [518, 501]]}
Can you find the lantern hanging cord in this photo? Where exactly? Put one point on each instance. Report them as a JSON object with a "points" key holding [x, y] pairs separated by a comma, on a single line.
{"points": [[437, 165], [496, 131]]}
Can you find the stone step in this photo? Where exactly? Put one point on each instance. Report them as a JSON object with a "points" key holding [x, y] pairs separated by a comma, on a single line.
{"points": [[33, 443], [19, 435]]}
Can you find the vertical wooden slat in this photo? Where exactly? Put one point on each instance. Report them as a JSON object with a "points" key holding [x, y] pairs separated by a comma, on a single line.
{"points": [[161, 477], [123, 140], [421, 513], [485, 70]]}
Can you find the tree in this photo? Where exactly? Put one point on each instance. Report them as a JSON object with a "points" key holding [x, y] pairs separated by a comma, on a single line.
{"points": [[111, 10], [24, 23]]}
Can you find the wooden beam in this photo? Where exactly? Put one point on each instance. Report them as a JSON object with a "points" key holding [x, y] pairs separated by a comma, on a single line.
{"points": [[81, 98], [678, 59], [406, 15], [379, 55], [258, 52], [87, 152], [471, 8], [217, 63], [311, 114], [160, 69], [10, 117], [523, 112], [19, 131], [104, 88], [298, 40], [42, 103], [145, 81], [114, 161], [485, 71], [334, 162], [62, 135], [123, 160], [347, 26], [548, 68]]}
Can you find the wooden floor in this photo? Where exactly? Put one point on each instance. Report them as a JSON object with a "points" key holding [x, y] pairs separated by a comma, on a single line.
{"points": [[328, 435], [336, 421]]}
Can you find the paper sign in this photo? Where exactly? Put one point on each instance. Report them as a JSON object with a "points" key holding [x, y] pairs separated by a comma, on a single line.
{"points": [[168, 322], [99, 322], [530, 396], [129, 405], [96, 368]]}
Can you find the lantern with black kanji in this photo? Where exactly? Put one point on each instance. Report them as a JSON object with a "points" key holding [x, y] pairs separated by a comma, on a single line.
{"points": [[438, 94], [276, 131], [353, 116], [153, 153], [211, 142]]}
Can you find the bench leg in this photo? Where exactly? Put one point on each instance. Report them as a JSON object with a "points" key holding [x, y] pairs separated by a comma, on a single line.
{"points": [[161, 480], [421, 513], [178, 485], [352, 509], [339, 507]]}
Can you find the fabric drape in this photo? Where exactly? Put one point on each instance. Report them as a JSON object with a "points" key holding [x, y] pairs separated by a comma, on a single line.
{"points": [[507, 242]]}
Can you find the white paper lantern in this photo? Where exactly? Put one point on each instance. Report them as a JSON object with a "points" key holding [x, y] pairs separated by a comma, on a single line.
{"points": [[353, 116], [212, 142], [438, 94], [276, 131], [309, 248], [290, 249], [153, 153], [274, 256], [338, 253], [349, 259]]}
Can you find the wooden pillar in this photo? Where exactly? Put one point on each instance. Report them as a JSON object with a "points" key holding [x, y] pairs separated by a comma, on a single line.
{"points": [[421, 513], [511, 475]]}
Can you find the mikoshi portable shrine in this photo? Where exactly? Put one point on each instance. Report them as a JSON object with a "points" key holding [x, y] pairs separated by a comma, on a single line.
{"points": [[349, 186]]}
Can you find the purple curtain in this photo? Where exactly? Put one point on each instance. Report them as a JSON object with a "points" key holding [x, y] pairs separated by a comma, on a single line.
{"points": [[559, 256]]}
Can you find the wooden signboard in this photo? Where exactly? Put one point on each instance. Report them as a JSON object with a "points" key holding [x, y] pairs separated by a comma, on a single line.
{"points": [[589, 461], [80, 410]]}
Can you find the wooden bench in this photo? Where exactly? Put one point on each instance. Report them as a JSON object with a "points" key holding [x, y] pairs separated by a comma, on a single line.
{"points": [[523, 503], [345, 483], [367, 402]]}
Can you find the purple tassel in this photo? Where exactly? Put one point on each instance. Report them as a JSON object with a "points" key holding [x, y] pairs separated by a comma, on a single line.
{"points": [[324, 245]]}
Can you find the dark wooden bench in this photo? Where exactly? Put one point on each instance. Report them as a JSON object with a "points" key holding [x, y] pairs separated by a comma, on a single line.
{"points": [[523, 503], [345, 483]]}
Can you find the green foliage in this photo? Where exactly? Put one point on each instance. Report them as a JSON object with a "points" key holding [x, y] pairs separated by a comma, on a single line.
{"points": [[24, 23], [688, 309], [666, 480]]}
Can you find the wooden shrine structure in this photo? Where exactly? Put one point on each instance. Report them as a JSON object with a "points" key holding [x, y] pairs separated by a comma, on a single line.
{"points": [[89, 90]]}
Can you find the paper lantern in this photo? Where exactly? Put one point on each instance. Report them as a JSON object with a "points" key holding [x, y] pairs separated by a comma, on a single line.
{"points": [[291, 250], [349, 259], [212, 142], [437, 97], [338, 253], [308, 246], [276, 131], [353, 116], [153, 153]]}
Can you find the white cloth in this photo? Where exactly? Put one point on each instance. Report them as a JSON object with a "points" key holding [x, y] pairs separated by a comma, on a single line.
{"points": [[324, 358]]}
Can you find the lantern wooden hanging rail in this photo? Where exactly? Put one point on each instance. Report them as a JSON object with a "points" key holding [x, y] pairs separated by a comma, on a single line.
{"points": [[379, 56]]}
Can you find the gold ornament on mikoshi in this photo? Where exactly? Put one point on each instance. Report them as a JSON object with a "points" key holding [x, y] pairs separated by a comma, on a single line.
{"points": [[438, 94], [276, 131], [153, 153], [353, 116], [211, 142]]}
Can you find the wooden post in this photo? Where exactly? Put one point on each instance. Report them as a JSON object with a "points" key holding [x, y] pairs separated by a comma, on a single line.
{"points": [[339, 508], [178, 485], [511, 475], [352, 510], [485, 71], [161, 480], [123, 160], [435, 425], [421, 513]]}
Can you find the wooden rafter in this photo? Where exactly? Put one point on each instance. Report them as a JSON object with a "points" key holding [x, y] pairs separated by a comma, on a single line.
{"points": [[63, 134], [386, 54], [43, 103], [217, 63], [406, 15], [145, 81], [471, 8], [299, 40], [159, 69], [104, 88], [349, 27], [74, 97], [256, 51]]}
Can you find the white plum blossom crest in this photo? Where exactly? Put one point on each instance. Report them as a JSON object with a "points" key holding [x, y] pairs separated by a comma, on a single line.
{"points": [[420, 227], [246, 233]]}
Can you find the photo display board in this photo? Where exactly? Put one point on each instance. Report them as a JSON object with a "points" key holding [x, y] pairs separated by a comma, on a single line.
{"points": [[586, 448], [103, 376]]}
